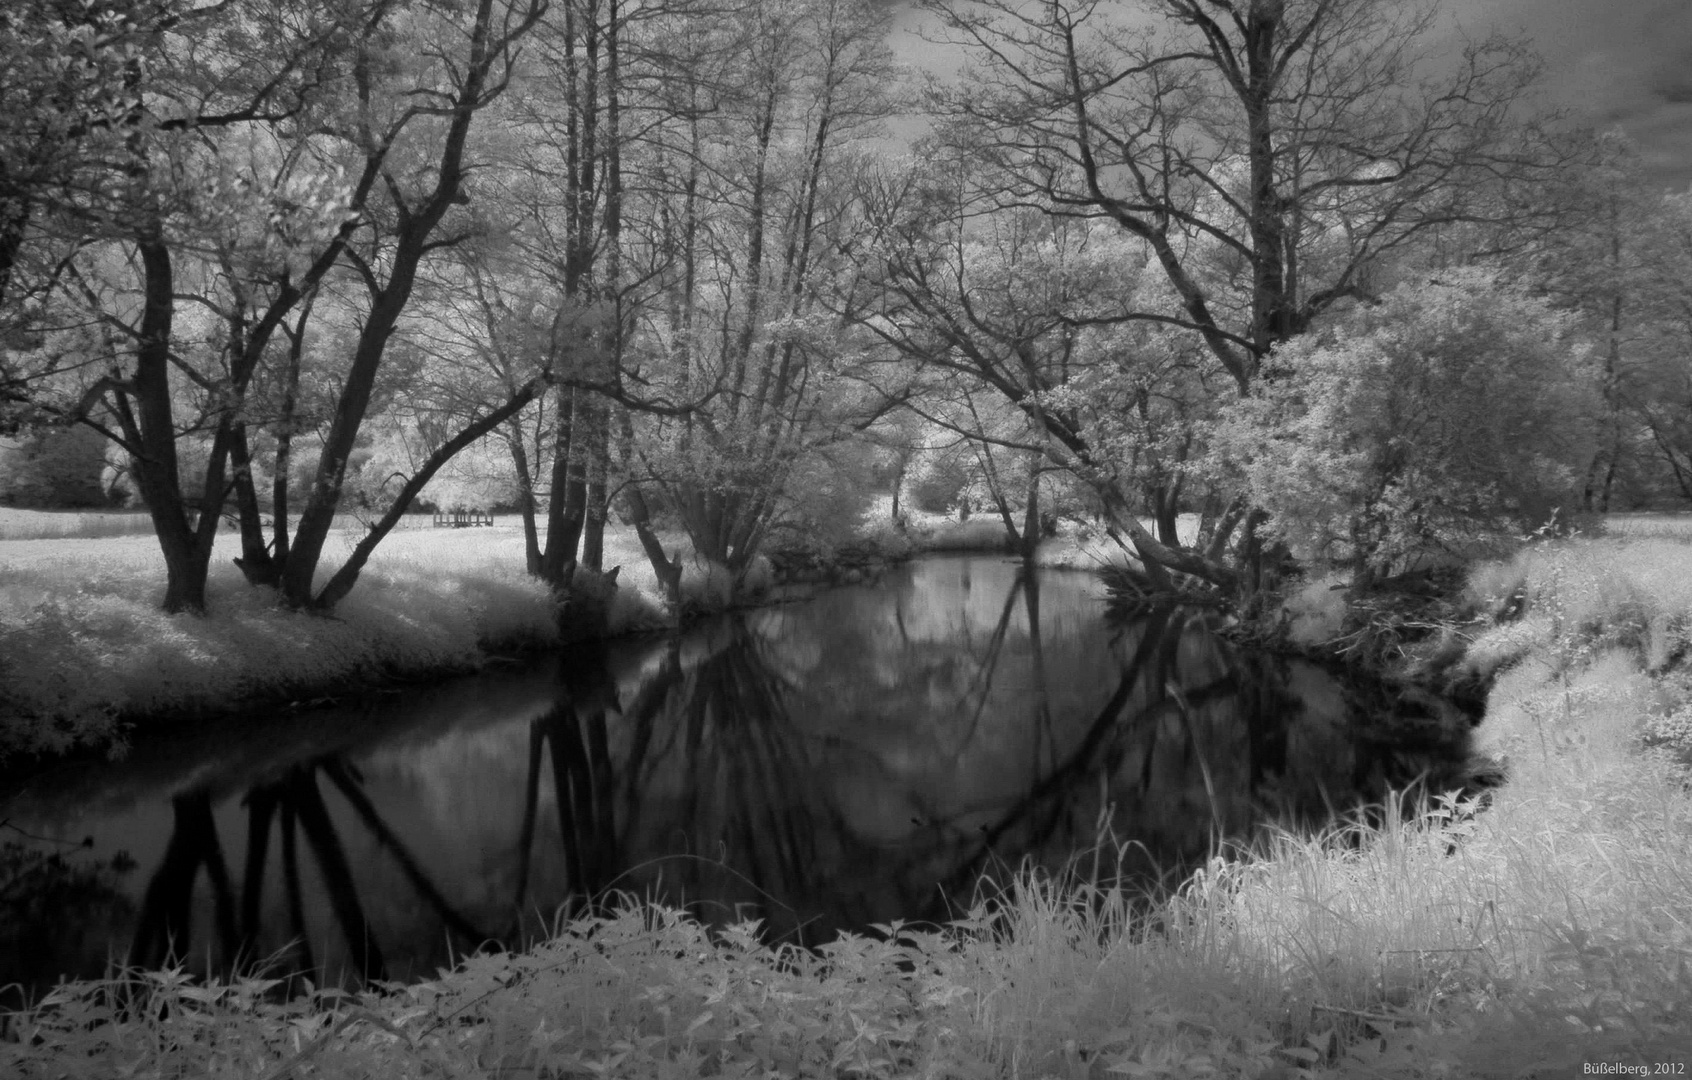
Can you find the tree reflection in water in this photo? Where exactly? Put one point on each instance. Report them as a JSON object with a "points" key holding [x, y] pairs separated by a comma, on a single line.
{"points": [[866, 756], [164, 928], [584, 782]]}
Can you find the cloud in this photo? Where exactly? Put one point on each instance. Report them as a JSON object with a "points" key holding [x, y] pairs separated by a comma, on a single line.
{"points": [[1622, 63]]}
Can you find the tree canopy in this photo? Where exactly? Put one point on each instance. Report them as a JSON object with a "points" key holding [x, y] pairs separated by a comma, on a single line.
{"points": [[1251, 263]]}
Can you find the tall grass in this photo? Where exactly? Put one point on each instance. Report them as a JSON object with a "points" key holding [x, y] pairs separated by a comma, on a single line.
{"points": [[1414, 948]]}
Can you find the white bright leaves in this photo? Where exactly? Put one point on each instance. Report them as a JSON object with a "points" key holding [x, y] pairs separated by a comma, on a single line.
{"points": [[1439, 417]]}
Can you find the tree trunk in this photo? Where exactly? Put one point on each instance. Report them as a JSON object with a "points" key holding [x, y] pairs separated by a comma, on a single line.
{"points": [[255, 559], [668, 570], [598, 494], [593, 527], [1166, 514], [325, 499], [1270, 310], [152, 429], [527, 506], [1031, 515], [285, 438], [899, 484], [566, 505]]}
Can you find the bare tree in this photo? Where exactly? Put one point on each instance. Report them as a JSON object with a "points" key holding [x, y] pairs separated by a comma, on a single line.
{"points": [[1272, 155]]}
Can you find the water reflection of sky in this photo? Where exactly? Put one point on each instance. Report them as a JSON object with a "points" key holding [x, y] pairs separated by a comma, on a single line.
{"points": [[824, 765]]}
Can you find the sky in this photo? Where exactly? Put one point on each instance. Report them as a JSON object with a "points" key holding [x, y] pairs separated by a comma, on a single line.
{"points": [[1611, 63], [1621, 63]]}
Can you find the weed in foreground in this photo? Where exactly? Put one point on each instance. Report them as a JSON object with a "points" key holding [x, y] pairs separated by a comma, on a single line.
{"points": [[1424, 943]]}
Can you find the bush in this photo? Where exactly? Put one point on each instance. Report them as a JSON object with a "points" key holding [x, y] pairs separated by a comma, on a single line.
{"points": [[56, 468], [937, 478], [827, 497], [1434, 420]]}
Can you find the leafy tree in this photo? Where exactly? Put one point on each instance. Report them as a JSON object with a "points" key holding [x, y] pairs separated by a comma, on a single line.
{"points": [[272, 156], [68, 78], [1272, 156], [55, 467], [1604, 267], [1448, 414], [565, 182], [756, 167], [142, 196], [1658, 388], [414, 138], [1046, 315]]}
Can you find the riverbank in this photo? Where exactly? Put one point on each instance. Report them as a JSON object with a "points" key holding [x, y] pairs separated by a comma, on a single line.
{"points": [[86, 655], [85, 651], [1549, 935]]}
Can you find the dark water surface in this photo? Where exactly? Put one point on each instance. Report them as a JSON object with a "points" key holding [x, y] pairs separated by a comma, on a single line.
{"points": [[852, 759]]}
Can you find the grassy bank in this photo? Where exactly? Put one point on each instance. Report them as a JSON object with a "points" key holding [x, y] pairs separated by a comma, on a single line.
{"points": [[1548, 936], [84, 646]]}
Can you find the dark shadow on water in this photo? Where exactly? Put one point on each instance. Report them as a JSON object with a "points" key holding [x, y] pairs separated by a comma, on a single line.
{"points": [[874, 754]]}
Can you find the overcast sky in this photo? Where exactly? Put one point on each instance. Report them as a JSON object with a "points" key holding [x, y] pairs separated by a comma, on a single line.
{"points": [[1621, 63]]}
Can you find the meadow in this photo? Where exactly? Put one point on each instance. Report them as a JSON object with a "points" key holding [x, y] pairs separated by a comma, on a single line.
{"points": [[1668, 526], [1548, 933], [18, 524]]}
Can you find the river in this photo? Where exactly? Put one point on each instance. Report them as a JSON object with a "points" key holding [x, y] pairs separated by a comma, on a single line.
{"points": [[871, 754]]}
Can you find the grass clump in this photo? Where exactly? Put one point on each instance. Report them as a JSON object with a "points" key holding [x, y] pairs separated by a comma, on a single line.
{"points": [[643, 992]]}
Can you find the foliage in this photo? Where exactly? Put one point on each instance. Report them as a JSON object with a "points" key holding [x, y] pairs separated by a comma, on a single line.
{"points": [[739, 327], [1440, 417], [1657, 394], [1672, 728], [938, 479], [830, 492], [56, 467], [255, 165], [1039, 346]]}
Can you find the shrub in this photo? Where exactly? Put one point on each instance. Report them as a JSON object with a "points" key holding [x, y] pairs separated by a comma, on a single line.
{"points": [[1427, 424], [57, 468], [937, 478]]}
